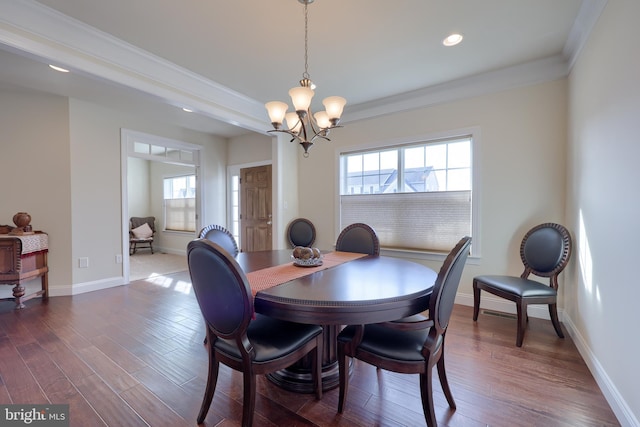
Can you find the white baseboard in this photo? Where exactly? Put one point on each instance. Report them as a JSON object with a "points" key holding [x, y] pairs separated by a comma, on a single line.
{"points": [[171, 251], [488, 302], [618, 405], [81, 288]]}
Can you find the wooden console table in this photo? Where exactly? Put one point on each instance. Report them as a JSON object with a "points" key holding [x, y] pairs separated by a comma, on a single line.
{"points": [[24, 258]]}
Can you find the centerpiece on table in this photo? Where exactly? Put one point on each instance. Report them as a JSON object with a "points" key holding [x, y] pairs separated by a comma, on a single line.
{"points": [[306, 257]]}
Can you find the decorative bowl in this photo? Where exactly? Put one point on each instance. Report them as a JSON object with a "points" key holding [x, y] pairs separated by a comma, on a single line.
{"points": [[311, 262]]}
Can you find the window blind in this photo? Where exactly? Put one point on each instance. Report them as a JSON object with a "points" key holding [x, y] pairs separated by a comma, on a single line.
{"points": [[431, 221], [180, 214]]}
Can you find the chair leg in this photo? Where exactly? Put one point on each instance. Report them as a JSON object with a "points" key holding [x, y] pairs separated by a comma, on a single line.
{"points": [[426, 393], [249, 399], [553, 313], [212, 379], [442, 374], [344, 377], [476, 301], [521, 308]]}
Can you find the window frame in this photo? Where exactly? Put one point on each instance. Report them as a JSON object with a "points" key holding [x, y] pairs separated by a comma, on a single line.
{"points": [[164, 202], [475, 135]]}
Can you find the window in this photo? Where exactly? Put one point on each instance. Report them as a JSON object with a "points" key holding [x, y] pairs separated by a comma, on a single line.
{"points": [[180, 203], [416, 196], [235, 207]]}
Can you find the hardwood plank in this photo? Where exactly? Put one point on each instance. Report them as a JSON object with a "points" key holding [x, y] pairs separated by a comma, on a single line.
{"points": [[112, 374], [118, 354], [22, 387], [154, 411], [107, 404], [133, 355], [57, 387]]}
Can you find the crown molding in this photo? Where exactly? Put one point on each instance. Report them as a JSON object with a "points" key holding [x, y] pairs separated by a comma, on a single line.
{"points": [[590, 11], [530, 73], [31, 27]]}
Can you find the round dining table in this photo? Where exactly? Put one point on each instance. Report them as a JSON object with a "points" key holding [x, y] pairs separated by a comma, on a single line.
{"points": [[370, 289]]}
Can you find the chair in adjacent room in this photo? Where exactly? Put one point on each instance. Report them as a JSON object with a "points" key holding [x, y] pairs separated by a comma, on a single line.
{"points": [[141, 232], [238, 337], [545, 251], [409, 348], [301, 232], [360, 238], [220, 235]]}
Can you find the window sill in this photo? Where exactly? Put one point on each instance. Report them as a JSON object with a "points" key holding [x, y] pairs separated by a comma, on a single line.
{"points": [[423, 255]]}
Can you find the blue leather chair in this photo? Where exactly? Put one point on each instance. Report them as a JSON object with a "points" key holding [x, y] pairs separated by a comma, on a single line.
{"points": [[220, 235], [409, 348], [239, 338], [545, 251], [301, 232], [359, 238]]}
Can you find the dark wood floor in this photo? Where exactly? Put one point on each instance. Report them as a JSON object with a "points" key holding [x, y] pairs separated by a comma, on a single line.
{"points": [[133, 356]]}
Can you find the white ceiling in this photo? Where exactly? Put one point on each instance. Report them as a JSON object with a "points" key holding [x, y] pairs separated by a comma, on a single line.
{"points": [[226, 58]]}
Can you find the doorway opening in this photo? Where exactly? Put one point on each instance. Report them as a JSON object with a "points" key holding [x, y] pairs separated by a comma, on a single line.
{"points": [[250, 213], [147, 160]]}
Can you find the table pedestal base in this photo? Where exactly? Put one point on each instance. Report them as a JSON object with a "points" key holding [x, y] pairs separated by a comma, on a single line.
{"points": [[298, 378]]}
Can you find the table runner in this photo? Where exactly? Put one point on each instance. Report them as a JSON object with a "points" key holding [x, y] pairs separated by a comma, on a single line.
{"points": [[31, 243], [272, 276]]}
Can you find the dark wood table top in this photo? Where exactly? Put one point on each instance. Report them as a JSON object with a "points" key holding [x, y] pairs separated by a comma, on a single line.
{"points": [[367, 290]]}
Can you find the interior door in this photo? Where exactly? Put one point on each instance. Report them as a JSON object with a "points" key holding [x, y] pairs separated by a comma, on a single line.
{"points": [[255, 207]]}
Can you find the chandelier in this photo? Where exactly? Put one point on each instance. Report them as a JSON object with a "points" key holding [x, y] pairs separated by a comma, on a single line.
{"points": [[302, 125]]}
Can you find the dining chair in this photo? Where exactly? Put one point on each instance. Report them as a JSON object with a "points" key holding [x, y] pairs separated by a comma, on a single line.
{"points": [[545, 251], [220, 235], [301, 232], [245, 341], [359, 238], [141, 232], [223, 237], [405, 349]]}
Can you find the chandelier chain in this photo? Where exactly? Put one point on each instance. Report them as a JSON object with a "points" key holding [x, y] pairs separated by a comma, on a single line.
{"points": [[305, 75]]}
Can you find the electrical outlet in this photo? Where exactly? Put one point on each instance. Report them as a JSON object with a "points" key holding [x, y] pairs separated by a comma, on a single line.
{"points": [[83, 262], [118, 259]]}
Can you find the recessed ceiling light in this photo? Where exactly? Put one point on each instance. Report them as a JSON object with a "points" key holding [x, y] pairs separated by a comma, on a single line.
{"points": [[187, 110], [452, 40], [62, 70]]}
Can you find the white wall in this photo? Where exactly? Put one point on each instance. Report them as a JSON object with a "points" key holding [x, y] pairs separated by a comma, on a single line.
{"points": [[35, 171], [521, 160], [139, 200], [249, 148], [69, 180], [603, 208]]}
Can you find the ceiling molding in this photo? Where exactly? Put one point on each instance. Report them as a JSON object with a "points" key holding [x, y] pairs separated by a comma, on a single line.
{"points": [[527, 74], [35, 29], [590, 11], [48, 34]]}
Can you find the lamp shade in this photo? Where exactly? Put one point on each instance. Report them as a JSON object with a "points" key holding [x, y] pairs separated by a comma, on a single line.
{"points": [[301, 97], [276, 110], [293, 122], [322, 119], [334, 106]]}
